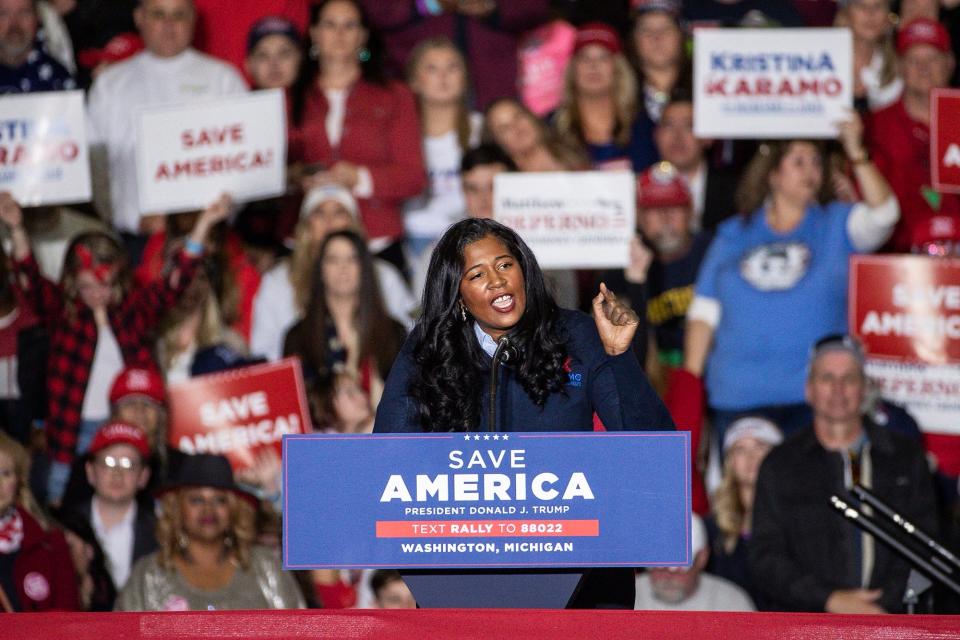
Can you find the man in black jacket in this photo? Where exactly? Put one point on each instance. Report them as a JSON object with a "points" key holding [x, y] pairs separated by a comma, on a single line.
{"points": [[117, 470], [804, 556]]}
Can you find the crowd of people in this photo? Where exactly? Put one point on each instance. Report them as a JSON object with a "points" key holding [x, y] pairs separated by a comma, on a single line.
{"points": [[399, 116]]}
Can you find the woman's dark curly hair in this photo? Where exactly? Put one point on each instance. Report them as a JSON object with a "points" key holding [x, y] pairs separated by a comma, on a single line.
{"points": [[450, 363]]}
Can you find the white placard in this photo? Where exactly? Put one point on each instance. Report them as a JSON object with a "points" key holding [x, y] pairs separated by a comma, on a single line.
{"points": [[931, 393], [571, 220], [771, 83], [188, 154], [43, 148]]}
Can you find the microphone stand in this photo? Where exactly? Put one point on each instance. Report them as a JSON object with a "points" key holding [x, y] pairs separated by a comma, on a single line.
{"points": [[868, 497], [930, 565], [502, 354]]}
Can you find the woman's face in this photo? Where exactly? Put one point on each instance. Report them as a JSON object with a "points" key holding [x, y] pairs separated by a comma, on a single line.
{"points": [[512, 129], [594, 70], [799, 175], [341, 268], [492, 287], [274, 62], [325, 218], [745, 456], [338, 33], [869, 19], [142, 412], [657, 40], [439, 77], [8, 481], [92, 292], [205, 513]]}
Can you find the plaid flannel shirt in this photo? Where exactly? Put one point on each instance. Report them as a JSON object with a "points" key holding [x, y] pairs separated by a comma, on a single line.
{"points": [[73, 340]]}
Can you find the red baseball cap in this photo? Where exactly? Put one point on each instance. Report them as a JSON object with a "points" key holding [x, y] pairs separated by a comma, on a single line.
{"points": [[923, 31], [597, 33], [662, 186], [138, 382], [120, 47], [120, 433]]}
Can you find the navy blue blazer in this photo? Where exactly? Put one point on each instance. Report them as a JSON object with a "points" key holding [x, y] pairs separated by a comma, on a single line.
{"points": [[614, 387]]}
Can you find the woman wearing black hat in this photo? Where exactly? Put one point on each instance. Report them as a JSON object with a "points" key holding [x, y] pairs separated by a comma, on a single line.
{"points": [[207, 559]]}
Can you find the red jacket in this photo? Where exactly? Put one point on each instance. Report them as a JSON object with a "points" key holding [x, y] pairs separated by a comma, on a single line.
{"points": [[43, 570], [73, 340], [381, 131], [900, 147]]}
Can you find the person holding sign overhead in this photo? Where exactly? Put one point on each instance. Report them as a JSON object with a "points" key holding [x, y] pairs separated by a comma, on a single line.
{"points": [[486, 314], [774, 280], [169, 70], [98, 324]]}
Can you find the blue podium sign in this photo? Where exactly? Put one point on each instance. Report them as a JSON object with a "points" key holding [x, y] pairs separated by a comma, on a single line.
{"points": [[486, 500]]}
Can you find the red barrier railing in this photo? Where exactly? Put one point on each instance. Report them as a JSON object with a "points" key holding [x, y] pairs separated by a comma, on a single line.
{"points": [[451, 624]]}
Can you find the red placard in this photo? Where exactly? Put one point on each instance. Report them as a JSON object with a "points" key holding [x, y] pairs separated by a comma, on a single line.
{"points": [[238, 412], [906, 307], [945, 140]]}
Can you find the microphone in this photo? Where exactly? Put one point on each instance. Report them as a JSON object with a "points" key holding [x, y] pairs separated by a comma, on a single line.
{"points": [[505, 352]]}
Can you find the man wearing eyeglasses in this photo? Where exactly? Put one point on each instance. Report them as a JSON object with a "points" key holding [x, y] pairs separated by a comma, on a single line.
{"points": [[803, 556], [117, 469]]}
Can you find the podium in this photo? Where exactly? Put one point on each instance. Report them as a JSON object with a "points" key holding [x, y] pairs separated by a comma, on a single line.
{"points": [[506, 520]]}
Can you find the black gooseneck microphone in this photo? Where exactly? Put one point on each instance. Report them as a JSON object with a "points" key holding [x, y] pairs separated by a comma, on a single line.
{"points": [[505, 352]]}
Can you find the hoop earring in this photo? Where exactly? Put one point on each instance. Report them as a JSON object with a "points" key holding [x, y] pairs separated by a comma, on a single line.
{"points": [[314, 52], [363, 54], [182, 541], [463, 312]]}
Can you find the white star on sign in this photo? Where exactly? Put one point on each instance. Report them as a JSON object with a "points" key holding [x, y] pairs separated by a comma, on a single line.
{"points": [[476, 437], [466, 436], [496, 436], [506, 437]]}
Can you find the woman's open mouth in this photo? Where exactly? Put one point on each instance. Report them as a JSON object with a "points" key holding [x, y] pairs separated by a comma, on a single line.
{"points": [[503, 303]]}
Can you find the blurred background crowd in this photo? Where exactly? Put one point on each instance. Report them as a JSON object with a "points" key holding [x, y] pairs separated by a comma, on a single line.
{"points": [[400, 113]]}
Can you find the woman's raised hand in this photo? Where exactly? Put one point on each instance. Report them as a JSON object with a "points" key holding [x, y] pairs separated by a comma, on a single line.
{"points": [[10, 212], [616, 322]]}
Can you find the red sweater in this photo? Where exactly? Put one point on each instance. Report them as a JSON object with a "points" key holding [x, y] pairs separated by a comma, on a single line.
{"points": [[43, 570], [381, 131], [223, 25], [900, 147]]}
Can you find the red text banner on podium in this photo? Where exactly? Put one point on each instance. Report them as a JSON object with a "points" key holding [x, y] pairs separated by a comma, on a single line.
{"points": [[237, 413], [473, 500], [906, 311]]}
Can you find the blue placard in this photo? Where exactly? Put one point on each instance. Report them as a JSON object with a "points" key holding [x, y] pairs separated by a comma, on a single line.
{"points": [[476, 500]]}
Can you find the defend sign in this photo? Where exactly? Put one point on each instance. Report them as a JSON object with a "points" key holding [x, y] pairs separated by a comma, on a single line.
{"points": [[575, 220], [187, 155], [236, 413], [945, 140], [771, 83], [486, 500], [43, 148]]}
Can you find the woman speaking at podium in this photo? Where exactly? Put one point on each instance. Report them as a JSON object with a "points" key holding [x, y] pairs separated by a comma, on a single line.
{"points": [[485, 300], [487, 315]]}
